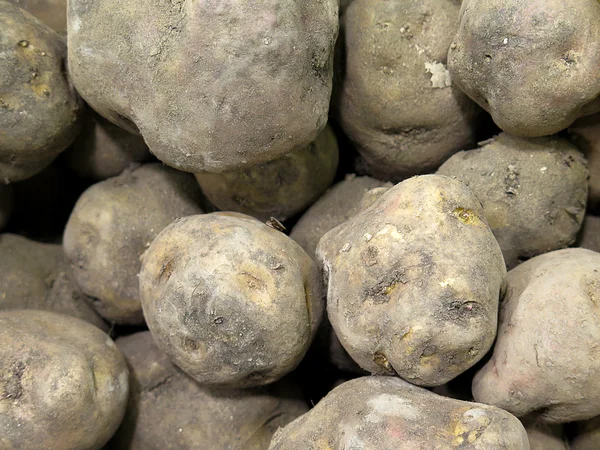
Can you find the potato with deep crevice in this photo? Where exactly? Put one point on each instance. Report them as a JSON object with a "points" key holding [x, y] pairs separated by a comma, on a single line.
{"points": [[111, 226], [232, 301], [414, 281], [63, 383]]}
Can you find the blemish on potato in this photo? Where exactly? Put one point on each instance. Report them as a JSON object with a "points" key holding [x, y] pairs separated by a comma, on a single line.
{"points": [[467, 216]]}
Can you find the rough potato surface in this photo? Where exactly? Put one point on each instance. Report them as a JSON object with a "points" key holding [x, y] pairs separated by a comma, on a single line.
{"points": [[111, 226], [211, 85], [586, 134], [52, 12], [544, 361], [6, 204], [280, 188], [532, 65], [232, 301], [395, 98], [373, 413], [533, 191], [168, 410], [39, 110], [63, 383], [414, 281]]}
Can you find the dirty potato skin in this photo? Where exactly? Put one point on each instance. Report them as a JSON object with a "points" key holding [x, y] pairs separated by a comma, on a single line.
{"points": [[544, 361], [233, 302], [586, 135], [63, 383], [220, 106], [533, 191], [39, 110], [394, 97], [414, 281], [280, 188], [373, 413], [6, 204], [532, 65], [168, 410], [52, 12], [111, 226]]}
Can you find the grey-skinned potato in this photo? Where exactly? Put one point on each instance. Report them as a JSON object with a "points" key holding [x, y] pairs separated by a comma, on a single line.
{"points": [[232, 301], [413, 282]]}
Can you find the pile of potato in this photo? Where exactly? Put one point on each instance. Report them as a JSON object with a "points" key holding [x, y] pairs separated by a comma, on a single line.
{"points": [[299, 224]]}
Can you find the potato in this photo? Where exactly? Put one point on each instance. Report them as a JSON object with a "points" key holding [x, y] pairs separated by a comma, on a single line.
{"points": [[6, 204], [63, 383], [533, 191], [590, 233], [233, 302], [37, 276], [544, 361], [52, 12], [169, 410], [104, 150], [532, 65], [587, 435], [546, 437], [256, 88], [280, 188], [39, 110], [388, 413], [586, 134], [111, 226], [414, 281], [394, 97]]}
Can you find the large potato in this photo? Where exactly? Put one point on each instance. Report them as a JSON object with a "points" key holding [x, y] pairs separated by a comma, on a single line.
{"points": [[169, 410], [586, 134], [533, 191], [39, 110], [280, 188], [533, 65], [6, 204], [63, 383], [376, 413], [211, 86], [545, 358], [111, 226], [414, 281], [232, 301], [394, 97], [52, 12]]}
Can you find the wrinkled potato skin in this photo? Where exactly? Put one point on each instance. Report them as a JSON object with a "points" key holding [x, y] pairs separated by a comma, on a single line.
{"points": [[233, 302], [587, 435], [52, 12], [590, 233], [220, 105], [281, 188], [39, 110], [169, 411], [532, 65], [111, 226], [402, 119], [6, 204], [414, 281], [586, 134], [546, 437], [63, 383], [104, 150], [533, 191], [374, 413], [544, 360], [37, 276]]}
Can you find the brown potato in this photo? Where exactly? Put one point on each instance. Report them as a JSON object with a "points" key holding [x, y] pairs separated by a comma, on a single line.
{"points": [[39, 110], [111, 226], [63, 383], [52, 12], [233, 302], [586, 134], [6, 204]]}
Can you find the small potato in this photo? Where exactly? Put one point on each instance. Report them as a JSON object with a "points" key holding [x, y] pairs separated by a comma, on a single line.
{"points": [[169, 410], [546, 437], [586, 134], [233, 302], [63, 383], [104, 150], [111, 226], [586, 435], [377, 413], [590, 233], [533, 65], [280, 188], [533, 191], [52, 12], [39, 110], [414, 281], [6, 204], [37, 276], [393, 96], [544, 362]]}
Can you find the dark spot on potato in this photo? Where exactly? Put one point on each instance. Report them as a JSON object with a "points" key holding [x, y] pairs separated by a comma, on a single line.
{"points": [[381, 292], [382, 361], [13, 389], [165, 271], [190, 344], [466, 216]]}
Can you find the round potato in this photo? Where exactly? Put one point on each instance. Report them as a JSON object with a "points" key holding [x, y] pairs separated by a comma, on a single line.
{"points": [[281, 188], [232, 301], [6, 204], [39, 110], [111, 226], [52, 12], [63, 383], [586, 134]]}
